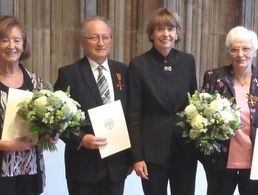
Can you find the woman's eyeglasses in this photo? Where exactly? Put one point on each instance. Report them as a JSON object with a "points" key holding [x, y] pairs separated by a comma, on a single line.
{"points": [[244, 50]]}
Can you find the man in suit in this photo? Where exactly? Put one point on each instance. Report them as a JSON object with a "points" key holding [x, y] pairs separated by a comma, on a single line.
{"points": [[86, 172]]}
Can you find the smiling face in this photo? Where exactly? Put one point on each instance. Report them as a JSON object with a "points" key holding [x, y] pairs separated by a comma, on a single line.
{"points": [[164, 38], [241, 45], [97, 40], [163, 30], [11, 46], [241, 53]]}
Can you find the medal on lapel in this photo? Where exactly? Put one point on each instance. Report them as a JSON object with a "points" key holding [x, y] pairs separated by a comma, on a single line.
{"points": [[119, 85], [252, 99]]}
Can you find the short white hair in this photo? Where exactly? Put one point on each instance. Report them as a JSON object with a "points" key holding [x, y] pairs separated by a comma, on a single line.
{"points": [[240, 33]]}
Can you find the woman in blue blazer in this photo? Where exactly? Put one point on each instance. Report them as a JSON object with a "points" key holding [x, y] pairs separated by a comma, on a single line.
{"points": [[158, 83]]}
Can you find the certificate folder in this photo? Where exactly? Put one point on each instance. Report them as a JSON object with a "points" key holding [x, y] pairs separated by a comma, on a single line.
{"points": [[14, 126], [109, 121], [254, 168]]}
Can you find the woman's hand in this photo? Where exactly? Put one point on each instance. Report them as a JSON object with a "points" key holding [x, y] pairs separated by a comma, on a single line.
{"points": [[53, 139], [19, 144], [141, 169]]}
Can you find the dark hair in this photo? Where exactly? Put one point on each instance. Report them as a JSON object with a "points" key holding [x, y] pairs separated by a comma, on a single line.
{"points": [[164, 17], [7, 23], [93, 18]]}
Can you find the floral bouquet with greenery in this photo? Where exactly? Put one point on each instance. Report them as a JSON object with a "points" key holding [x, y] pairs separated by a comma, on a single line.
{"points": [[208, 120], [51, 113]]}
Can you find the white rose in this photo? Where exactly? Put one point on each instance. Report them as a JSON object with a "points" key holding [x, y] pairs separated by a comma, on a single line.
{"points": [[191, 110], [205, 95], [41, 101], [71, 106], [225, 102], [198, 121], [226, 116], [216, 105], [60, 95]]}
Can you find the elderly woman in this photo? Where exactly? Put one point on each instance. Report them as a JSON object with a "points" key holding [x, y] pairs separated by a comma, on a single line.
{"points": [[231, 167], [21, 163], [156, 93]]}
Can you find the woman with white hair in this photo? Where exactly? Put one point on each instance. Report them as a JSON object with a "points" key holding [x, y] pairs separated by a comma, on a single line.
{"points": [[239, 80]]}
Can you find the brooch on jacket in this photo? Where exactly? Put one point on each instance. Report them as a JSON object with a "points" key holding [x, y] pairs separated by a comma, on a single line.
{"points": [[252, 100], [119, 85], [167, 67]]}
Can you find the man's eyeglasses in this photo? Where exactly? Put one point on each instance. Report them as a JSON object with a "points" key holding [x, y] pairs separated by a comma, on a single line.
{"points": [[96, 38]]}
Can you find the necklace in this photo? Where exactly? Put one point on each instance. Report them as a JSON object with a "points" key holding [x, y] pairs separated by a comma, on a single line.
{"points": [[244, 82], [15, 74]]}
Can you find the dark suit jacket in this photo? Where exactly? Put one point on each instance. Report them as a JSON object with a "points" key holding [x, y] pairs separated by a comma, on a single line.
{"points": [[222, 80], [85, 165], [154, 97]]}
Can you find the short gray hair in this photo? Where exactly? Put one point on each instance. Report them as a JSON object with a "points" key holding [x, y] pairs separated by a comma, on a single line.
{"points": [[82, 29], [240, 33]]}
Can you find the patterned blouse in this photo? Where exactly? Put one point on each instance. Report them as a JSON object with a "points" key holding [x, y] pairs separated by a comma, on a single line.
{"points": [[20, 162]]}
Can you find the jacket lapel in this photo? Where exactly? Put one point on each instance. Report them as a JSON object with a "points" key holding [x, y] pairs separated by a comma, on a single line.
{"points": [[89, 80], [253, 109], [228, 79], [114, 73]]}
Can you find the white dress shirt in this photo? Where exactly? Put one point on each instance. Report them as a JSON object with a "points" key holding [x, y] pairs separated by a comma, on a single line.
{"points": [[107, 74]]}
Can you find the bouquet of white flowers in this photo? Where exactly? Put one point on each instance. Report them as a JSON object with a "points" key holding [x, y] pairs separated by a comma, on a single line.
{"points": [[51, 113], [208, 120]]}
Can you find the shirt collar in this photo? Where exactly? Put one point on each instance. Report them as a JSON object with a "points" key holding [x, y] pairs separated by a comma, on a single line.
{"points": [[94, 65]]}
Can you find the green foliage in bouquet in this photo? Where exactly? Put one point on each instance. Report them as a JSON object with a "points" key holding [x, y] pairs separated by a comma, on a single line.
{"points": [[51, 113], [208, 120]]}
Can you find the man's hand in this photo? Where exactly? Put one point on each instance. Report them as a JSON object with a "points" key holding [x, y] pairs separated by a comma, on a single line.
{"points": [[92, 142]]}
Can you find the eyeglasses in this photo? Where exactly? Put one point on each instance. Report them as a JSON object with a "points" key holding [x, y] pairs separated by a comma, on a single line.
{"points": [[245, 50], [95, 38]]}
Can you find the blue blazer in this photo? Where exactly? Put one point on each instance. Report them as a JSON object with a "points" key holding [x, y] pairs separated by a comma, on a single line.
{"points": [[85, 165]]}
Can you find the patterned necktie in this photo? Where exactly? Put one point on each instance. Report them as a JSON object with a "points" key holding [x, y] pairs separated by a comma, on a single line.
{"points": [[103, 86]]}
